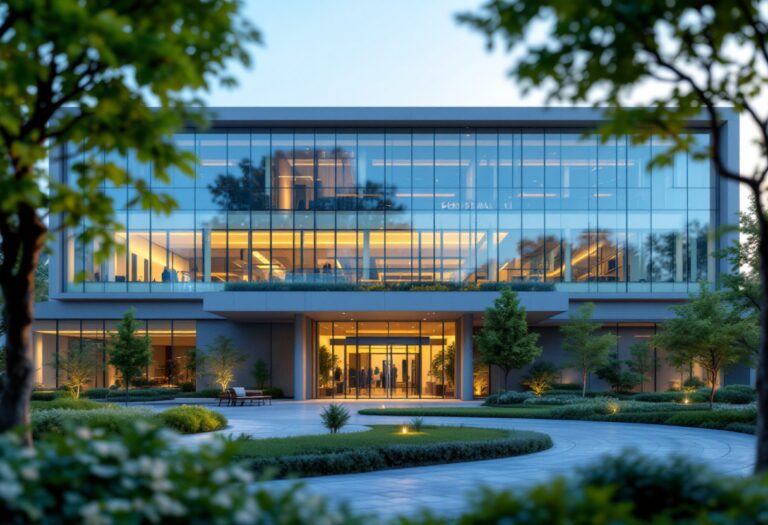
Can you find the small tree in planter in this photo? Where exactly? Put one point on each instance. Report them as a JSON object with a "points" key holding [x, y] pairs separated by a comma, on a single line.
{"points": [[326, 364], [129, 352], [444, 367], [219, 361], [642, 361], [504, 340], [260, 373], [78, 362], [540, 377], [621, 378]]}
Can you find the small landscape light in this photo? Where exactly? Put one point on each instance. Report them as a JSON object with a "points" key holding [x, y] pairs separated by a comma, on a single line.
{"points": [[404, 430], [686, 401]]}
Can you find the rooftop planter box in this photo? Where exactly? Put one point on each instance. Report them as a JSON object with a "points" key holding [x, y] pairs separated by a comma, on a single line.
{"points": [[284, 286]]}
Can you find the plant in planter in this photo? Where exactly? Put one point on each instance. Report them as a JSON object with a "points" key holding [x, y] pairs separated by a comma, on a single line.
{"points": [[260, 373], [326, 363], [540, 377], [443, 369]]}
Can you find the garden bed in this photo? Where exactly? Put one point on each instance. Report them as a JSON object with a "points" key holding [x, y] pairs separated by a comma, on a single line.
{"points": [[384, 447]]}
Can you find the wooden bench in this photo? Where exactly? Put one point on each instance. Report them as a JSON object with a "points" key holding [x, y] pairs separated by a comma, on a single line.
{"points": [[239, 395]]}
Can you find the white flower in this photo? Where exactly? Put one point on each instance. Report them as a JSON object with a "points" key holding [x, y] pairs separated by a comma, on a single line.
{"points": [[84, 433], [220, 476], [222, 499], [117, 505], [168, 506], [10, 490], [29, 473], [93, 515]]}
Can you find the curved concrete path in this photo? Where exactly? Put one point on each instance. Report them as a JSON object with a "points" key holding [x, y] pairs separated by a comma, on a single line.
{"points": [[443, 488]]}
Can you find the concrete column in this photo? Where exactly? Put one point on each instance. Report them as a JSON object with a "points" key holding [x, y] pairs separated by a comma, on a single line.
{"points": [[299, 358], [467, 387], [206, 269], [366, 255]]}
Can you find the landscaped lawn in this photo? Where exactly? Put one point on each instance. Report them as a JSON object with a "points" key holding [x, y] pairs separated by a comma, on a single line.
{"points": [[378, 436]]}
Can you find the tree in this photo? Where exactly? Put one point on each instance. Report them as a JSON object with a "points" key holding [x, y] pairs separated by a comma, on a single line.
{"points": [[260, 373], [81, 75], [618, 375], [504, 340], [79, 363], [219, 361], [642, 361], [129, 352], [540, 377], [705, 55], [706, 331], [588, 350]]}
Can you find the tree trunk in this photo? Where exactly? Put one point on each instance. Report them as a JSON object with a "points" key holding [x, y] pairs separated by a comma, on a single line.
{"points": [[713, 386], [584, 383], [21, 248], [761, 463]]}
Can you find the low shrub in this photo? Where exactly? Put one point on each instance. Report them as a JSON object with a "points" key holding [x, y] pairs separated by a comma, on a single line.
{"points": [[560, 399], [660, 397], [747, 389], [143, 477], [48, 395], [57, 421], [205, 393], [571, 387], [134, 394], [188, 419], [70, 404], [597, 406], [744, 428], [275, 392], [399, 456], [729, 395], [509, 397], [187, 386], [334, 417], [718, 419]]}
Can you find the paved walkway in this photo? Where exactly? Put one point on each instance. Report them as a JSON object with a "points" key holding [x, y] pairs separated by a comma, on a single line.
{"points": [[443, 488]]}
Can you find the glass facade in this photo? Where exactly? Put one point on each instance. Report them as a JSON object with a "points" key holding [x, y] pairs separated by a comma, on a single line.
{"points": [[171, 343], [416, 204], [386, 359]]}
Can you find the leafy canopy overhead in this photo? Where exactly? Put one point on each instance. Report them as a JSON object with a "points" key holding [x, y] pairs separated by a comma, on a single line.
{"points": [[701, 55], [112, 75]]}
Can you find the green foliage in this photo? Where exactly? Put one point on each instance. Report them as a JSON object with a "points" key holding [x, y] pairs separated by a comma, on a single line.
{"points": [[504, 340], [129, 352], [587, 349], [416, 423], [334, 417], [275, 392], [219, 361], [509, 397], [136, 394], [437, 286], [164, 483], [559, 399], [205, 393], [94, 81], [367, 459], [78, 363], [326, 364], [69, 404], [48, 395], [192, 419], [707, 331], [540, 377], [260, 373], [618, 375], [642, 361], [443, 366], [46, 423]]}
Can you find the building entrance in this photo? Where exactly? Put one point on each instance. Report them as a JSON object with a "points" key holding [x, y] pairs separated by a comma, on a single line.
{"points": [[385, 360]]}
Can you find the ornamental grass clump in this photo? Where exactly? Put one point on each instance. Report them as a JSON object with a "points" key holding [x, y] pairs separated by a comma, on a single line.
{"points": [[334, 417], [187, 419]]}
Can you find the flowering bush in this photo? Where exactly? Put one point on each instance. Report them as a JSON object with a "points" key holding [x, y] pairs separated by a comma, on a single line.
{"points": [[88, 477]]}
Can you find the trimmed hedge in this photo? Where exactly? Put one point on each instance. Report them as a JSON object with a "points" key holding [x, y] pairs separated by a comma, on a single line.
{"points": [[134, 394], [188, 419], [70, 404], [434, 286], [59, 420], [732, 394], [508, 398], [399, 456], [205, 393]]}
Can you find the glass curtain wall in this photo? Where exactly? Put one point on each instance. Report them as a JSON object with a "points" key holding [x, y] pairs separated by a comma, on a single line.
{"points": [[387, 360], [371, 205], [171, 343]]}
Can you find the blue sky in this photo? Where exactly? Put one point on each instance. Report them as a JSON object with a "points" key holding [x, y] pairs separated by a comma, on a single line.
{"points": [[378, 53], [368, 53]]}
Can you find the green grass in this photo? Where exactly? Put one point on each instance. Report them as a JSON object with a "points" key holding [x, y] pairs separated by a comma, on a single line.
{"points": [[378, 436]]}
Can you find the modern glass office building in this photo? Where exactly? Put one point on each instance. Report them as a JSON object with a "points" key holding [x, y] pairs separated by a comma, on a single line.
{"points": [[337, 215]]}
